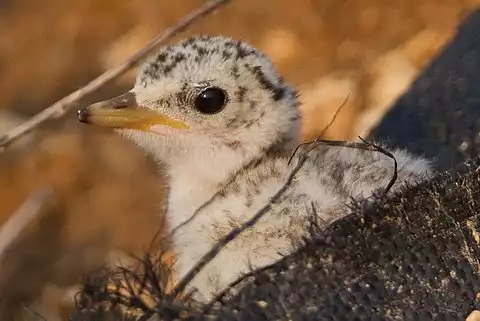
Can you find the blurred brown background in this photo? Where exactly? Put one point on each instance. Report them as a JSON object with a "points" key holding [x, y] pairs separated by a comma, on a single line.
{"points": [[107, 197]]}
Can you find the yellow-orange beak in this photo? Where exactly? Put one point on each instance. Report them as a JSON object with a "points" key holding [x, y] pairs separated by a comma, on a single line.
{"points": [[124, 112]]}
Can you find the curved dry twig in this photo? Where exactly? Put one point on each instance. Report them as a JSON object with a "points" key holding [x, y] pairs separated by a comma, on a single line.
{"points": [[59, 108], [220, 296], [363, 145], [324, 130]]}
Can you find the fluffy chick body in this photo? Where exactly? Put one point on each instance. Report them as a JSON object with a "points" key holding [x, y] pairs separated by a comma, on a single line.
{"points": [[325, 184], [235, 160]]}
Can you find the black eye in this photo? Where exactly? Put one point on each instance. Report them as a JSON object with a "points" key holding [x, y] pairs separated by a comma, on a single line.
{"points": [[210, 101]]}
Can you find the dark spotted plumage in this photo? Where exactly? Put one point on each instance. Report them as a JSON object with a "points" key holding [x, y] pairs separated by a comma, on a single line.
{"points": [[277, 91], [199, 48], [241, 94]]}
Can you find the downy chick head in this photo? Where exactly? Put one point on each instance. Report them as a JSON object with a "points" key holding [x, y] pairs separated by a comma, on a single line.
{"points": [[203, 99]]}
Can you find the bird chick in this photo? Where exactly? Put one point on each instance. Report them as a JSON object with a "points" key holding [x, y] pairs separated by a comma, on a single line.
{"points": [[221, 120]]}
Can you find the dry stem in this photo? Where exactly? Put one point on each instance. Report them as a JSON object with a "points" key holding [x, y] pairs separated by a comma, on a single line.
{"points": [[30, 209], [59, 108]]}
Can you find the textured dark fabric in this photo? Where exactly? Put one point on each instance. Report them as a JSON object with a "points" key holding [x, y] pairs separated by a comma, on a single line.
{"points": [[441, 110], [413, 256]]}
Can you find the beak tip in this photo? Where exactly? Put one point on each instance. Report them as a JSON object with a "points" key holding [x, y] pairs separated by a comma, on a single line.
{"points": [[82, 115]]}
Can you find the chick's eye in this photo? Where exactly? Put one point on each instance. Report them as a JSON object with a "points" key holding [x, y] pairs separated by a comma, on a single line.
{"points": [[210, 101]]}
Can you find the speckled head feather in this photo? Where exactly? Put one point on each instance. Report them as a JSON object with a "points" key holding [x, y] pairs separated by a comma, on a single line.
{"points": [[260, 110]]}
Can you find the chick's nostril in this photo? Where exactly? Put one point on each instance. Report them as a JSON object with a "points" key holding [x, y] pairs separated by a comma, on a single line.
{"points": [[119, 106], [125, 100]]}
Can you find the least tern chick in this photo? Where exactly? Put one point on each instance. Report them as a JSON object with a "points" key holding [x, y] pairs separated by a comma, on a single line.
{"points": [[223, 123]]}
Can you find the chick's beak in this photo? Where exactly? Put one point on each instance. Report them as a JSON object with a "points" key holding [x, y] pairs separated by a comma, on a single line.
{"points": [[124, 112]]}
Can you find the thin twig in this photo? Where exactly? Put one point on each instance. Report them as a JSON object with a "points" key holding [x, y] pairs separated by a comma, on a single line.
{"points": [[157, 234], [141, 287], [364, 145], [324, 130], [212, 198], [193, 216], [59, 108], [30, 209], [219, 297], [32, 313]]}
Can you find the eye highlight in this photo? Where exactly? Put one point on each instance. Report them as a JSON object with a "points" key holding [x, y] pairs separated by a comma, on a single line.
{"points": [[210, 101]]}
